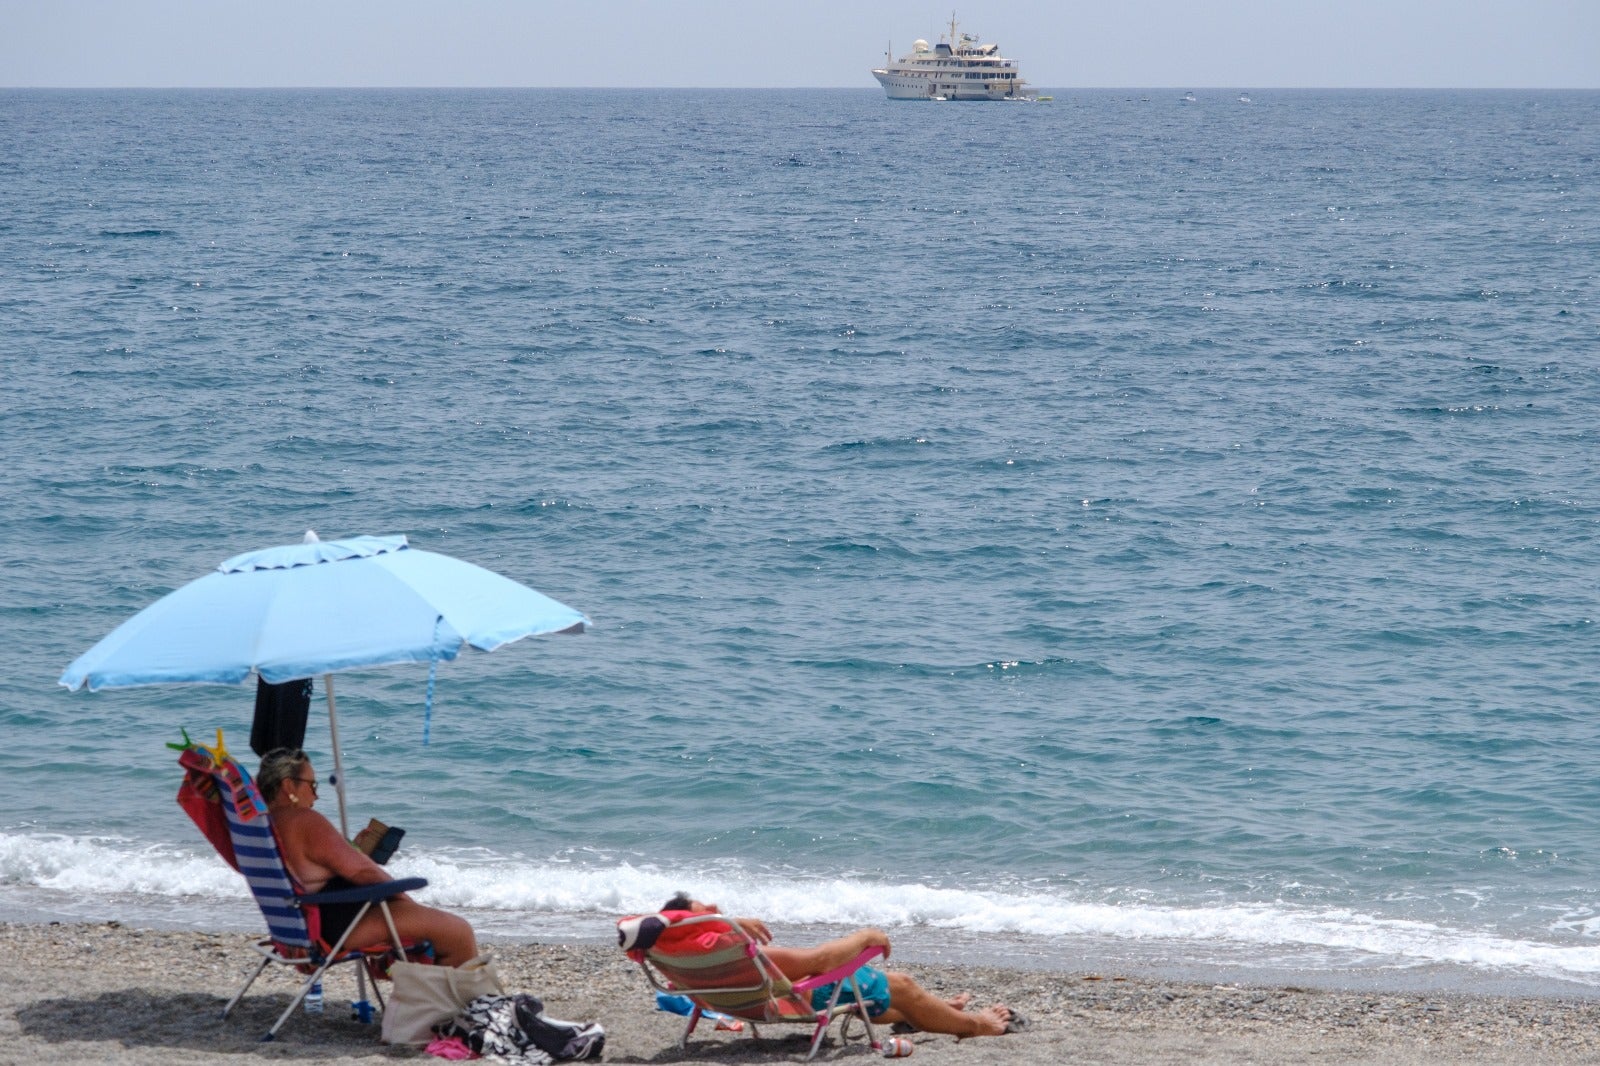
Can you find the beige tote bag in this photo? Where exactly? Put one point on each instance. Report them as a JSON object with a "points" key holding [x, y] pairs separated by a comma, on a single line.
{"points": [[425, 996]]}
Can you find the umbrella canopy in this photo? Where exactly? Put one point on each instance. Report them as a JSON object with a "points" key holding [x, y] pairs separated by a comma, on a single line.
{"points": [[316, 608]]}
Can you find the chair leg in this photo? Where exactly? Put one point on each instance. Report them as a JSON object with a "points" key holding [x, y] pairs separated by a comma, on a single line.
{"points": [[694, 1020], [861, 1012], [825, 1017], [295, 1002], [237, 996], [856, 1010], [816, 1037]]}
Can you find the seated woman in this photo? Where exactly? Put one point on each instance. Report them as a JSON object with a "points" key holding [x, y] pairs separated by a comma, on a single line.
{"points": [[320, 859]]}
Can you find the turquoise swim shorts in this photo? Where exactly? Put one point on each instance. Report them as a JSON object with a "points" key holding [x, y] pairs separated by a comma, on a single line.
{"points": [[874, 985]]}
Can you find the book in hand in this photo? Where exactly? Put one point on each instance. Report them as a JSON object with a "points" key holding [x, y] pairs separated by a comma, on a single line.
{"points": [[378, 841]]}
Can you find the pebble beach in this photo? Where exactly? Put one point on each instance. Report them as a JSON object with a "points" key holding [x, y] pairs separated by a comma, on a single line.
{"points": [[98, 993]]}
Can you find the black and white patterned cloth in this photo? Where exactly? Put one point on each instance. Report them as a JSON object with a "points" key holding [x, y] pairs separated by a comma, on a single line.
{"points": [[515, 1029]]}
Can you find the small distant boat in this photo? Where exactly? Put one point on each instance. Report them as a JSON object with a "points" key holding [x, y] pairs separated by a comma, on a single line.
{"points": [[1188, 98], [1244, 98]]}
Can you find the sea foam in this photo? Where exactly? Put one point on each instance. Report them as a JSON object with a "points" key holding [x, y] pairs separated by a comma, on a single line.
{"points": [[574, 893]]}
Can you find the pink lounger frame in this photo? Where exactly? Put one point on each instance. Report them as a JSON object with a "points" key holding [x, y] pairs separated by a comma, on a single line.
{"points": [[841, 974]]}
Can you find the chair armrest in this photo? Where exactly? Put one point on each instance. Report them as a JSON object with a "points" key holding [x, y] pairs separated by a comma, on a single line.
{"points": [[838, 973], [366, 893]]}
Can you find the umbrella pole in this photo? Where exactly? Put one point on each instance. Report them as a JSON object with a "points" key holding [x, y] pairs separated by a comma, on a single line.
{"points": [[362, 1007], [338, 761]]}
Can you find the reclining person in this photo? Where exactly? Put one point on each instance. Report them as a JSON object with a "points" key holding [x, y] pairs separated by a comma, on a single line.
{"points": [[322, 860], [889, 996]]}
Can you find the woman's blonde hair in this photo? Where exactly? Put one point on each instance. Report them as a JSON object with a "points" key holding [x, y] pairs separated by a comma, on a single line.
{"points": [[278, 766]]}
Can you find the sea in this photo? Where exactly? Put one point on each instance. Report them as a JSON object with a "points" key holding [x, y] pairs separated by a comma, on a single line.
{"points": [[1104, 535]]}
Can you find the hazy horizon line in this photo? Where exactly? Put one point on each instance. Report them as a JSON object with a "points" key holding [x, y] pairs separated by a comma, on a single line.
{"points": [[790, 88]]}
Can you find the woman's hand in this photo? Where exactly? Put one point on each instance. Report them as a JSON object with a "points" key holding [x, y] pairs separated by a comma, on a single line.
{"points": [[756, 928]]}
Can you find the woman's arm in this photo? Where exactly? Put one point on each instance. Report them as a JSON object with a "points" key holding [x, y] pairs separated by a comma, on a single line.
{"points": [[799, 963], [324, 846]]}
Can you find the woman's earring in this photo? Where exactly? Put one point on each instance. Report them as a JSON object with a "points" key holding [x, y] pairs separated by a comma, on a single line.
{"points": [[294, 799]]}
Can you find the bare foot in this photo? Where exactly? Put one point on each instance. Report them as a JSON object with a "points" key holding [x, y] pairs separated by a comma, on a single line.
{"points": [[990, 1021], [960, 1002]]}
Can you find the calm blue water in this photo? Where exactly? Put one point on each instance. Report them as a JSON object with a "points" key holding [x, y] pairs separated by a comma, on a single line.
{"points": [[1140, 532]]}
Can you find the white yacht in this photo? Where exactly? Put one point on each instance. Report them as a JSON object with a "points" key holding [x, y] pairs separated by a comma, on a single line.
{"points": [[959, 67]]}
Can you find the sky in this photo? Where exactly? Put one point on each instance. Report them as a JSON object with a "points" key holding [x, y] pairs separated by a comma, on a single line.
{"points": [[1237, 44]]}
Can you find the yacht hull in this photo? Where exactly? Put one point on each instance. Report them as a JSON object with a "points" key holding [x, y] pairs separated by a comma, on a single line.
{"points": [[916, 86]]}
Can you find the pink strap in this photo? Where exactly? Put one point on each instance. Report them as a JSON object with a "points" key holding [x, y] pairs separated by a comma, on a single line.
{"points": [[451, 1047], [840, 973]]}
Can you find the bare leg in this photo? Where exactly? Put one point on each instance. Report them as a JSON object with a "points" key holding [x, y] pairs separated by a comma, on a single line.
{"points": [[452, 937], [916, 1005], [960, 1001]]}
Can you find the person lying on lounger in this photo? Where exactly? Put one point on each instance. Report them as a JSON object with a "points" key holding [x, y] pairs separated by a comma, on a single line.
{"points": [[890, 996], [323, 861]]}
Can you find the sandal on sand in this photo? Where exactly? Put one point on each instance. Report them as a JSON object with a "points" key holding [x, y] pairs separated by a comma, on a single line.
{"points": [[902, 1028], [1017, 1023]]}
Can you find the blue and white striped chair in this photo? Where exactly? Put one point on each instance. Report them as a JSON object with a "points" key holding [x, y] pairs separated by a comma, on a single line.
{"points": [[293, 924]]}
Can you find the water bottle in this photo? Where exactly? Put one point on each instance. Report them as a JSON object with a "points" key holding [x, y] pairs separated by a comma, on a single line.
{"points": [[314, 999], [898, 1047]]}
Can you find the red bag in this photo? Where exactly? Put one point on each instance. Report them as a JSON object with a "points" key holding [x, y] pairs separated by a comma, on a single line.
{"points": [[199, 799]]}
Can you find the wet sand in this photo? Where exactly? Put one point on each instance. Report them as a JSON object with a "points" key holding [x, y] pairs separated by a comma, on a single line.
{"points": [[105, 993]]}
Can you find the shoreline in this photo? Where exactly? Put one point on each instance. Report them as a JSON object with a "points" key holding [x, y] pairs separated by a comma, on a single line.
{"points": [[1150, 960], [107, 992], [1154, 959]]}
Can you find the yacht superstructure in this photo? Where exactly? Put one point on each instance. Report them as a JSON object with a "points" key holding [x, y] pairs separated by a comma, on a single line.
{"points": [[959, 67]]}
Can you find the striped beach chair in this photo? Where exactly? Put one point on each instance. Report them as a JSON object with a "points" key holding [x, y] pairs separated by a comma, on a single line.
{"points": [[294, 936], [725, 971]]}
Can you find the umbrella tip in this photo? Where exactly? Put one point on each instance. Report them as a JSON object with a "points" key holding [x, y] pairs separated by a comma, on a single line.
{"points": [[310, 537]]}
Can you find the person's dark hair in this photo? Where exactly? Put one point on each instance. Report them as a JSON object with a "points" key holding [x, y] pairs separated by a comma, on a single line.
{"points": [[679, 902], [278, 766]]}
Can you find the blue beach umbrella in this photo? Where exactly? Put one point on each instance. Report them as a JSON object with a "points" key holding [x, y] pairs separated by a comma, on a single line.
{"points": [[318, 607]]}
